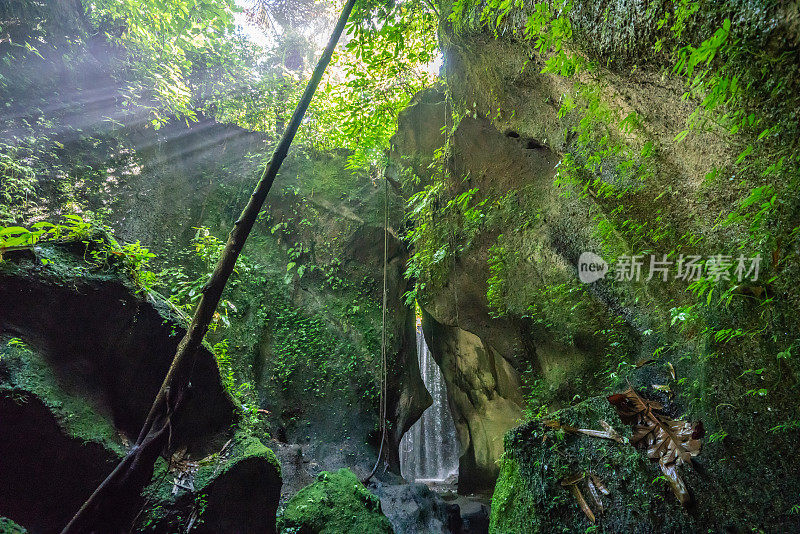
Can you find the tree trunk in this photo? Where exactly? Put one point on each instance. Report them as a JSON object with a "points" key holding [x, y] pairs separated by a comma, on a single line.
{"points": [[108, 509]]}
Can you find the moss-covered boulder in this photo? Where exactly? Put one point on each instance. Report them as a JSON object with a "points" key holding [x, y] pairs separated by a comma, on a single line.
{"points": [[728, 493], [529, 496], [54, 447], [79, 305], [83, 350], [235, 490], [337, 503]]}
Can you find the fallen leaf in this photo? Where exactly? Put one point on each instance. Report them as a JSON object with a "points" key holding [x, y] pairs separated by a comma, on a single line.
{"points": [[611, 432], [675, 481], [572, 479], [571, 482], [670, 442], [604, 434], [595, 433], [630, 405], [556, 425], [598, 482], [668, 439], [672, 371], [594, 494]]}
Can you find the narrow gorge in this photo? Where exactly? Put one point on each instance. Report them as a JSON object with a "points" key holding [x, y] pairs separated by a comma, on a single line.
{"points": [[527, 267]]}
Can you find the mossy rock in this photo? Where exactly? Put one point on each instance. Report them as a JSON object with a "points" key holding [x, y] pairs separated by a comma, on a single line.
{"points": [[238, 492], [529, 496], [50, 440], [107, 340], [336, 503], [7, 526]]}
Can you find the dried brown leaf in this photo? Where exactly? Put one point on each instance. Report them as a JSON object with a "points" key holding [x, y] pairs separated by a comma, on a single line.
{"points": [[676, 482], [594, 494], [604, 434], [670, 442], [572, 479], [576, 492], [668, 439], [556, 425], [630, 405], [595, 433], [611, 432]]}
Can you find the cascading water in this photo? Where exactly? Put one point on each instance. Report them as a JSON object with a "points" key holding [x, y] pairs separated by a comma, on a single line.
{"points": [[429, 450]]}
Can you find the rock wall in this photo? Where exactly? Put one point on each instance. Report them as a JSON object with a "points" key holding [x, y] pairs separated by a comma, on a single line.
{"points": [[598, 161], [83, 351], [105, 161], [484, 393]]}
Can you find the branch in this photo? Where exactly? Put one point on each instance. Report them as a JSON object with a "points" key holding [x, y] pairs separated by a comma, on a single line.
{"points": [[176, 379]]}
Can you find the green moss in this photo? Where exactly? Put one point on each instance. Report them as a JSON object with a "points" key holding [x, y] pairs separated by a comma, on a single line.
{"points": [[537, 458], [244, 447], [7, 526], [22, 370], [168, 511], [513, 509], [336, 503]]}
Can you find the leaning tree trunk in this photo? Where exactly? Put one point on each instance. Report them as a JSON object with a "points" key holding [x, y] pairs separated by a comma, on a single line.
{"points": [[105, 510]]}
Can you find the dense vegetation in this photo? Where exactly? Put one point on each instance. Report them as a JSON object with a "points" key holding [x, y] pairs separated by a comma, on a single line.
{"points": [[667, 130]]}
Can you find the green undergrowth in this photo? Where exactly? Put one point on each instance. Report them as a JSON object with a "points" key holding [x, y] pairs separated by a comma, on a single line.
{"points": [[281, 352], [336, 503]]}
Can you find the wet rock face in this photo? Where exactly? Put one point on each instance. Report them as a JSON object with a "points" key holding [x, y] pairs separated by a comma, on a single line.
{"points": [[484, 392], [416, 509], [482, 355]]}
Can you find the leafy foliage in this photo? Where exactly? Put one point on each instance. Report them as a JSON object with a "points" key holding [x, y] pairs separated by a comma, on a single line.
{"points": [[166, 43], [371, 78], [672, 443]]}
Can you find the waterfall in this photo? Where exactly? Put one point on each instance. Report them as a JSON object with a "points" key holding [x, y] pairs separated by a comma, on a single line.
{"points": [[429, 450]]}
